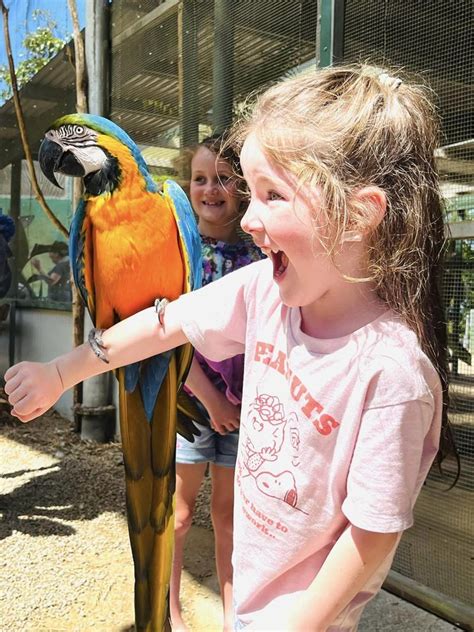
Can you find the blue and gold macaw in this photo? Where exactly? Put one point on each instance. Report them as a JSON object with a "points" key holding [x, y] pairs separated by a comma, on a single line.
{"points": [[131, 243]]}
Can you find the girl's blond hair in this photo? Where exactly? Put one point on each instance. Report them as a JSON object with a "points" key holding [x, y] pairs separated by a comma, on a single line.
{"points": [[344, 128]]}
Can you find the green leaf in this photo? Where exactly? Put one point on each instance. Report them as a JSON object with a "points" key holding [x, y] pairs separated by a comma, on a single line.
{"points": [[39, 47]]}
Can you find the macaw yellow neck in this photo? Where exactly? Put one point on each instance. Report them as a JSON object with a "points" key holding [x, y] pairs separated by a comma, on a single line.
{"points": [[109, 209]]}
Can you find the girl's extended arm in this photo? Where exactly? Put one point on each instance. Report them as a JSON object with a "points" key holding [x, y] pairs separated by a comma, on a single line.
{"points": [[352, 561], [224, 416], [33, 387]]}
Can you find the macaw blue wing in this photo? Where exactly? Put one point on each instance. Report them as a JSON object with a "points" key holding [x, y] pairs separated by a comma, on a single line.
{"points": [[80, 259], [188, 233], [150, 374]]}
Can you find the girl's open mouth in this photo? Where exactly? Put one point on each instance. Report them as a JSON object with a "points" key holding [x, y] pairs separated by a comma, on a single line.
{"points": [[213, 203], [280, 263]]}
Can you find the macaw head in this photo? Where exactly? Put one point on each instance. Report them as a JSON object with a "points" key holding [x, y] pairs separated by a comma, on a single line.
{"points": [[93, 148]]}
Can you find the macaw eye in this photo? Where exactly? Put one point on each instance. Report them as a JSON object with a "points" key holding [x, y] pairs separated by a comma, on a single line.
{"points": [[78, 129]]}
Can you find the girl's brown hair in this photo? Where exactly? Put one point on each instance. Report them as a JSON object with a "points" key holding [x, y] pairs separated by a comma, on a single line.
{"points": [[344, 128], [219, 145]]}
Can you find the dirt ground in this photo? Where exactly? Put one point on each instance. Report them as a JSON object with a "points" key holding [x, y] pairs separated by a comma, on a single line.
{"points": [[65, 561]]}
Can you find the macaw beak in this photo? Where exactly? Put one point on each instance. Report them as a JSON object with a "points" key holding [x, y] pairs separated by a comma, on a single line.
{"points": [[53, 158]]}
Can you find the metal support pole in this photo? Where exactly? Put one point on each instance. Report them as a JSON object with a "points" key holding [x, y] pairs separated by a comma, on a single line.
{"points": [[324, 35], [98, 418], [441, 605], [330, 34], [188, 74], [339, 14], [98, 56], [223, 65], [15, 209]]}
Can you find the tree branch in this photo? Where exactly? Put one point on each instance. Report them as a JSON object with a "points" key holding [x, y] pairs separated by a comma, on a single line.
{"points": [[81, 105], [80, 66]]}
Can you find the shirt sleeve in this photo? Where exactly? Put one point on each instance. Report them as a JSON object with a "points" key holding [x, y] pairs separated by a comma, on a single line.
{"points": [[395, 448], [214, 318]]}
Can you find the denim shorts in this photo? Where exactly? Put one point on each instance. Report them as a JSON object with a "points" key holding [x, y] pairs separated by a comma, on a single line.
{"points": [[209, 447]]}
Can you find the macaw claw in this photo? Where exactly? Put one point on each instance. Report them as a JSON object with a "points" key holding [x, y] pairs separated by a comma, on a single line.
{"points": [[97, 344], [160, 306]]}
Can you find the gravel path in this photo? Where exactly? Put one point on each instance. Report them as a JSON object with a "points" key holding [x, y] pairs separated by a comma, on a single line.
{"points": [[65, 561]]}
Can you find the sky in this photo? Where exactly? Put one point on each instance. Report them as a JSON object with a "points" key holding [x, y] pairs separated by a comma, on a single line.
{"points": [[21, 22]]}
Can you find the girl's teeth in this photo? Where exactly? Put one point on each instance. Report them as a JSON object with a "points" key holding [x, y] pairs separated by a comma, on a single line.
{"points": [[280, 262]]}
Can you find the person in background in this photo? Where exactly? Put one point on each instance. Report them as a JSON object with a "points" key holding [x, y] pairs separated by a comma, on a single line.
{"points": [[7, 230], [59, 277], [214, 174]]}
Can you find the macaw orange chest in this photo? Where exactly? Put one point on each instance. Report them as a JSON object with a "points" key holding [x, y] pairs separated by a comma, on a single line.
{"points": [[136, 256]]}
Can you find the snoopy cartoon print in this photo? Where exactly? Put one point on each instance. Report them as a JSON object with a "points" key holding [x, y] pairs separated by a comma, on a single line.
{"points": [[280, 486], [266, 431]]}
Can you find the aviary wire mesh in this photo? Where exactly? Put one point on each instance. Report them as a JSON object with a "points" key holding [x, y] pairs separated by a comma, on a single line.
{"points": [[163, 56], [434, 40]]}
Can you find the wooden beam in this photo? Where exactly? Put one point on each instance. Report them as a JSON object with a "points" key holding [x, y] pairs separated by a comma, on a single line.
{"points": [[187, 76], [35, 127], [8, 121], [156, 108], [147, 22], [453, 166], [44, 93], [442, 605], [460, 230]]}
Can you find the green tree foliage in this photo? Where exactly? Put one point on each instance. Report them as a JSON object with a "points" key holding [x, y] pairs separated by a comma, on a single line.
{"points": [[39, 47]]}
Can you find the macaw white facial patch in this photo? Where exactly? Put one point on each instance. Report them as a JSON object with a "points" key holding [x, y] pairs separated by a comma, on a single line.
{"points": [[91, 158], [80, 141]]}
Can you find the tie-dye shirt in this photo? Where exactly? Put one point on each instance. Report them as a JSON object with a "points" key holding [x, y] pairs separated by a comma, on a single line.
{"points": [[218, 259]]}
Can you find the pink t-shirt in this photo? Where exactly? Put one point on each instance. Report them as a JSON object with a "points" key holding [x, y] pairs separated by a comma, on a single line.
{"points": [[332, 431]]}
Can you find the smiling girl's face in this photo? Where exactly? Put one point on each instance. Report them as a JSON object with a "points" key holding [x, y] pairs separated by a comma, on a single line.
{"points": [[213, 195]]}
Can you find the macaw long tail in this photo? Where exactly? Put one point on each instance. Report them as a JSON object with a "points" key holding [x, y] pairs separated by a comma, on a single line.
{"points": [[149, 457], [164, 477]]}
